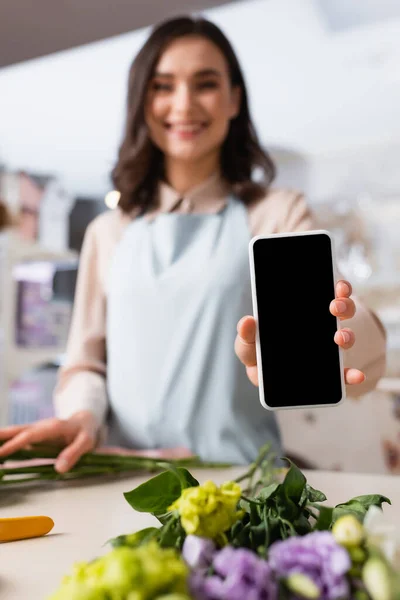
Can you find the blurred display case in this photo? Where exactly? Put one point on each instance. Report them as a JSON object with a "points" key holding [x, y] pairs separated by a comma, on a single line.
{"points": [[366, 231], [37, 288]]}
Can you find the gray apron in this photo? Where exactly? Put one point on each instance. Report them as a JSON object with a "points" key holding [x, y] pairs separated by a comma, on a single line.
{"points": [[177, 288]]}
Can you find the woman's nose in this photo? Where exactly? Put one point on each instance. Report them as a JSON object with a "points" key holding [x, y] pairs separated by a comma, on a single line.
{"points": [[183, 98]]}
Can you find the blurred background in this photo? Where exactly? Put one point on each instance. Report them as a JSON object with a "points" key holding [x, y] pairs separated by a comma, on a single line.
{"points": [[324, 82]]}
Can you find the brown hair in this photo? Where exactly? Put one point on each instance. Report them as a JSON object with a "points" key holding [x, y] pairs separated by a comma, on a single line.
{"points": [[5, 216], [140, 163]]}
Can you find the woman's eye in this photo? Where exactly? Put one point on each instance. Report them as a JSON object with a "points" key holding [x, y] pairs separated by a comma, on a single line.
{"points": [[161, 87], [207, 85]]}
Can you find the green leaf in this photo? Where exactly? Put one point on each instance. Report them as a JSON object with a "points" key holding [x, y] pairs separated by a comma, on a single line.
{"points": [[355, 509], [185, 478], [244, 505], [165, 517], [294, 483], [267, 492], [158, 493], [135, 539], [257, 535], [287, 509], [237, 528], [312, 495], [369, 500], [358, 506], [302, 525], [324, 520], [242, 538], [254, 516], [171, 532]]}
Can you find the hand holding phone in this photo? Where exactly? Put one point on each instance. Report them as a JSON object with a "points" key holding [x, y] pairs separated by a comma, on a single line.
{"points": [[299, 364]]}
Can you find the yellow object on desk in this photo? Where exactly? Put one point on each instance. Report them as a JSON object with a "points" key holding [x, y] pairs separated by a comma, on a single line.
{"points": [[20, 528]]}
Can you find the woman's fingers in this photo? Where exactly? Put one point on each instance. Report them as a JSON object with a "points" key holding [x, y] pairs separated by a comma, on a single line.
{"points": [[345, 338], [245, 343], [33, 434], [84, 442], [245, 347], [9, 432], [353, 376], [344, 308], [343, 289], [252, 374]]}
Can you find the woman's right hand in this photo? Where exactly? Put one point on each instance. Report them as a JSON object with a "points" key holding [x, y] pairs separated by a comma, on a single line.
{"points": [[78, 434]]}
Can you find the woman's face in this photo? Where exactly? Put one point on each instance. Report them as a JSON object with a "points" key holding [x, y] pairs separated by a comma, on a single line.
{"points": [[190, 100]]}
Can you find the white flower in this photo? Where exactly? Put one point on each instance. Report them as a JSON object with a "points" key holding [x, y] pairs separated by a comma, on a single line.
{"points": [[382, 533]]}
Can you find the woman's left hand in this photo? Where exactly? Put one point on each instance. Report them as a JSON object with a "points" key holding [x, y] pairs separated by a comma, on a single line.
{"points": [[342, 307]]}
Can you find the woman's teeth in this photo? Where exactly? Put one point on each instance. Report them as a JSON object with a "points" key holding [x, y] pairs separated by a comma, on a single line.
{"points": [[186, 128]]}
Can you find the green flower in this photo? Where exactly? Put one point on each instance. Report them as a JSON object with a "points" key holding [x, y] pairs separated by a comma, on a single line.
{"points": [[207, 510], [348, 531], [143, 573]]}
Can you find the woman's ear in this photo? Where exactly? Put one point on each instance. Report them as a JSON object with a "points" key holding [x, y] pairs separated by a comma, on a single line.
{"points": [[236, 100]]}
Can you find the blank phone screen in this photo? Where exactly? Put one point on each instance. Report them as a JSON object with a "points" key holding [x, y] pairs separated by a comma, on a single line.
{"points": [[294, 284]]}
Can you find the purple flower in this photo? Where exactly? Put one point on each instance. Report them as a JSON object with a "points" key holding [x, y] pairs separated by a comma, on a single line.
{"points": [[239, 574], [317, 556], [198, 552]]}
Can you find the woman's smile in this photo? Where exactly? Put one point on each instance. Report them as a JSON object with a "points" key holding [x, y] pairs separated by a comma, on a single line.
{"points": [[185, 130]]}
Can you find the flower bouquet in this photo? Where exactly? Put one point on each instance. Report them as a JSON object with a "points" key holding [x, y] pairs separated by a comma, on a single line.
{"points": [[264, 536]]}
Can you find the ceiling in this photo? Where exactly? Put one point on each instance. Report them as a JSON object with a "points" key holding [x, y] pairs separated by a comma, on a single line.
{"points": [[342, 15], [31, 29], [321, 80]]}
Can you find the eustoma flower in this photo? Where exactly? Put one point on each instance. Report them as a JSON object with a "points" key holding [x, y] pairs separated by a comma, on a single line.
{"points": [[142, 573], [207, 510], [198, 552], [318, 558], [237, 574]]}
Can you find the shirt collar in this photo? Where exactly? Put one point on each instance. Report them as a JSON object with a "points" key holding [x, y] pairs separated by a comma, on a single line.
{"points": [[208, 197]]}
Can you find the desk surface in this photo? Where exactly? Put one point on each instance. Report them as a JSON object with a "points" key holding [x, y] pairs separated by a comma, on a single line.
{"points": [[87, 514]]}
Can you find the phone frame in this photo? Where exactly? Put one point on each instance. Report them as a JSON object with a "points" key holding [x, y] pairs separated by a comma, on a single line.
{"points": [[255, 313]]}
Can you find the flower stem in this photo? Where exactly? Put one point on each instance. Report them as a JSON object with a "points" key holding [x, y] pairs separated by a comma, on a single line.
{"points": [[90, 464]]}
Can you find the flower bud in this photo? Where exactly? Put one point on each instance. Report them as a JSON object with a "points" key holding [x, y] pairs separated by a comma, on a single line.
{"points": [[361, 595], [357, 555], [376, 578], [348, 531], [303, 586]]}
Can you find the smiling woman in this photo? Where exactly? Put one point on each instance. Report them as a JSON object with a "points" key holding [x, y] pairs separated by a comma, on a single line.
{"points": [[164, 279], [187, 107]]}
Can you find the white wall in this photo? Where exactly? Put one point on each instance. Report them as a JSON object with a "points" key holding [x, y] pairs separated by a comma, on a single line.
{"points": [[310, 90]]}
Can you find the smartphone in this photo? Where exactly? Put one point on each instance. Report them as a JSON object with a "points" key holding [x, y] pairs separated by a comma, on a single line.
{"points": [[293, 283]]}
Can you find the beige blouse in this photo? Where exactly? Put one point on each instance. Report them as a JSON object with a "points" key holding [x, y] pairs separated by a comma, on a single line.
{"points": [[82, 380]]}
